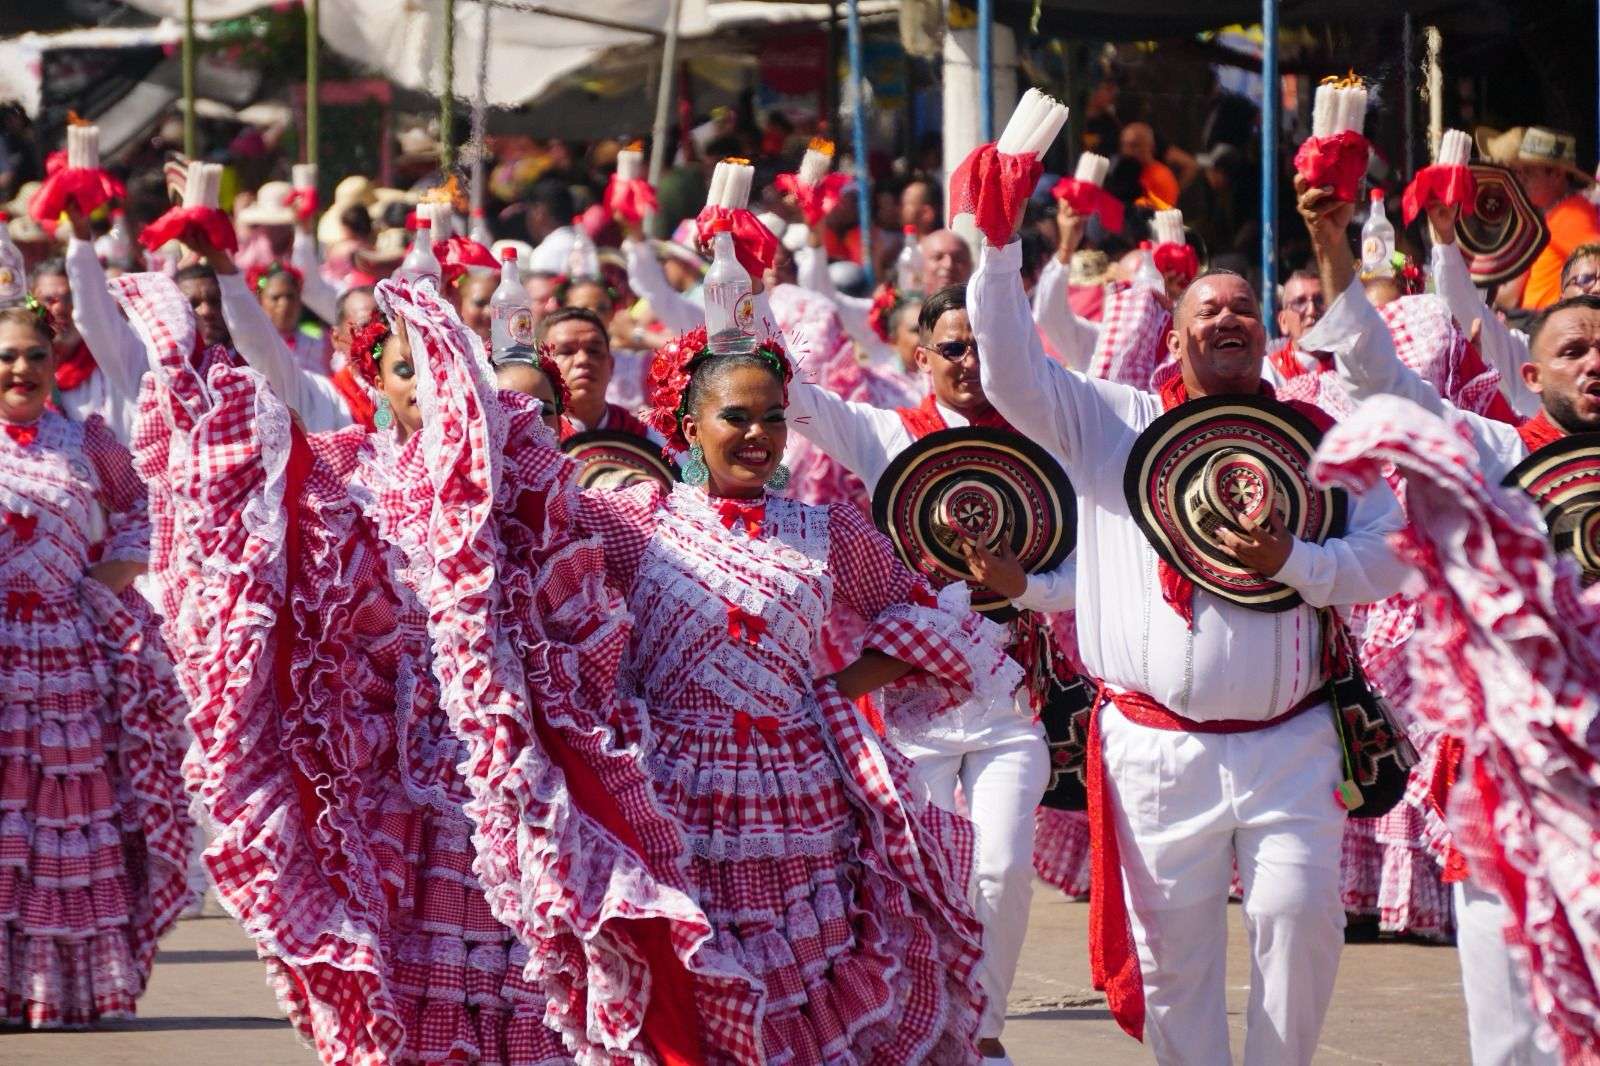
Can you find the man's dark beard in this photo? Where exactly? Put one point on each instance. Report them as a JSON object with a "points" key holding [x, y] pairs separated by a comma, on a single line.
{"points": [[1564, 413]]}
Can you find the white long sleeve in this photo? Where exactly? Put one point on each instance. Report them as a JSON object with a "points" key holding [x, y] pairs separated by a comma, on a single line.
{"points": [[674, 310], [315, 292], [1231, 662], [310, 395], [863, 438], [855, 312], [1363, 351], [1502, 347], [1073, 339], [119, 356], [1054, 590]]}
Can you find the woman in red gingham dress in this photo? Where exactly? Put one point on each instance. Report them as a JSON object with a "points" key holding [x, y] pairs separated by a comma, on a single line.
{"points": [[827, 919], [94, 825], [322, 755]]}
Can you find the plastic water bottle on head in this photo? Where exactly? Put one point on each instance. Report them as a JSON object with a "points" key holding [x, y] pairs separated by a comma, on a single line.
{"points": [[1377, 241], [510, 309], [730, 307]]}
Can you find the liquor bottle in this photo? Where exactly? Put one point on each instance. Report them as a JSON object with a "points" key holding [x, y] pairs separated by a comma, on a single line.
{"points": [[420, 262], [1377, 241], [510, 309], [730, 308], [908, 264]]}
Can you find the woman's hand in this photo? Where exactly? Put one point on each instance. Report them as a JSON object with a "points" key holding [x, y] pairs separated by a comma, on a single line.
{"points": [[870, 672], [999, 571], [116, 574]]}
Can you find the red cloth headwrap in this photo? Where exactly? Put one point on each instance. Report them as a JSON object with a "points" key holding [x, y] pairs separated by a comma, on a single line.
{"points": [[815, 200], [88, 188], [753, 242], [631, 199]]}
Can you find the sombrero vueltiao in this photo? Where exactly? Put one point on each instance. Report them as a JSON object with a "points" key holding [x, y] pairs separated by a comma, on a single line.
{"points": [[610, 460], [983, 484], [1505, 232], [1213, 461], [1564, 480]]}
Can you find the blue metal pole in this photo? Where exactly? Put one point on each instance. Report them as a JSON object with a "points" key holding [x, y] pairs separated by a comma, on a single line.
{"points": [[859, 137], [1270, 94], [985, 71]]}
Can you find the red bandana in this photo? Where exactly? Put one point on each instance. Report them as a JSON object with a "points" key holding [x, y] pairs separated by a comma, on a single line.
{"points": [[1288, 365], [74, 368], [925, 418], [615, 419], [1538, 432], [1177, 589]]}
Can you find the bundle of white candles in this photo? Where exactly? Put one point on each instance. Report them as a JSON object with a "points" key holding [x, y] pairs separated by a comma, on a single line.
{"points": [[303, 176], [1339, 106], [1168, 227], [83, 147], [1092, 168], [816, 163], [202, 185], [1455, 149], [1033, 126], [630, 162], [441, 218], [730, 184]]}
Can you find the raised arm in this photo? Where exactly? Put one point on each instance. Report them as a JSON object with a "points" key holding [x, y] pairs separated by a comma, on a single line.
{"points": [[1061, 409], [117, 350], [1502, 347], [811, 270], [1072, 338], [315, 292], [675, 311], [1360, 341], [860, 436]]}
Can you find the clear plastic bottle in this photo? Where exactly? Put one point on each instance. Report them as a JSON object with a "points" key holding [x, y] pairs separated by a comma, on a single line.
{"points": [[908, 264], [1377, 241], [510, 309], [583, 261], [730, 309], [13, 274], [420, 262], [1148, 275]]}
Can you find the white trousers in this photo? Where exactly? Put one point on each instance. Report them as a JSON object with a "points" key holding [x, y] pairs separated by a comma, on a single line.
{"points": [[1003, 776], [1187, 806], [1501, 1021]]}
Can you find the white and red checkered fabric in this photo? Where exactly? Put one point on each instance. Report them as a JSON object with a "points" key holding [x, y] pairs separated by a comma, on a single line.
{"points": [[94, 825], [1428, 339], [1133, 337], [321, 753], [817, 914], [1505, 657]]}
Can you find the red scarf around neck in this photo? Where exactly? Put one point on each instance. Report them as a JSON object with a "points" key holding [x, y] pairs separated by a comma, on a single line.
{"points": [[925, 418], [1177, 589], [74, 368], [1539, 432]]}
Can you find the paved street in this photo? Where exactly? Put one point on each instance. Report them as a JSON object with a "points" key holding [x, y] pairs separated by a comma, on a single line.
{"points": [[208, 1003]]}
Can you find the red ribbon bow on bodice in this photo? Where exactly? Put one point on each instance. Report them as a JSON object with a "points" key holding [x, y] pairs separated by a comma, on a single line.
{"points": [[732, 512], [744, 625], [21, 525], [744, 724], [24, 433], [22, 603]]}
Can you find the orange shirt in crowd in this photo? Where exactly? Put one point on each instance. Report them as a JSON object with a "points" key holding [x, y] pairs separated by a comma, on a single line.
{"points": [[846, 247], [1573, 222], [1160, 185]]}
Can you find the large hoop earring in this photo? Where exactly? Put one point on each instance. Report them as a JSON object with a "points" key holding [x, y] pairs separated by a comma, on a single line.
{"points": [[383, 417], [694, 470], [778, 480]]}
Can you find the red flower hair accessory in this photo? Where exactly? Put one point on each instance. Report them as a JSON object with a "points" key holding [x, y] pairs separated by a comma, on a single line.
{"points": [[672, 366], [886, 303], [257, 277], [366, 348]]}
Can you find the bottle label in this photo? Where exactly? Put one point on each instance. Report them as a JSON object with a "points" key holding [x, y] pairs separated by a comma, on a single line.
{"points": [[1374, 253], [744, 314], [10, 285], [519, 324]]}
